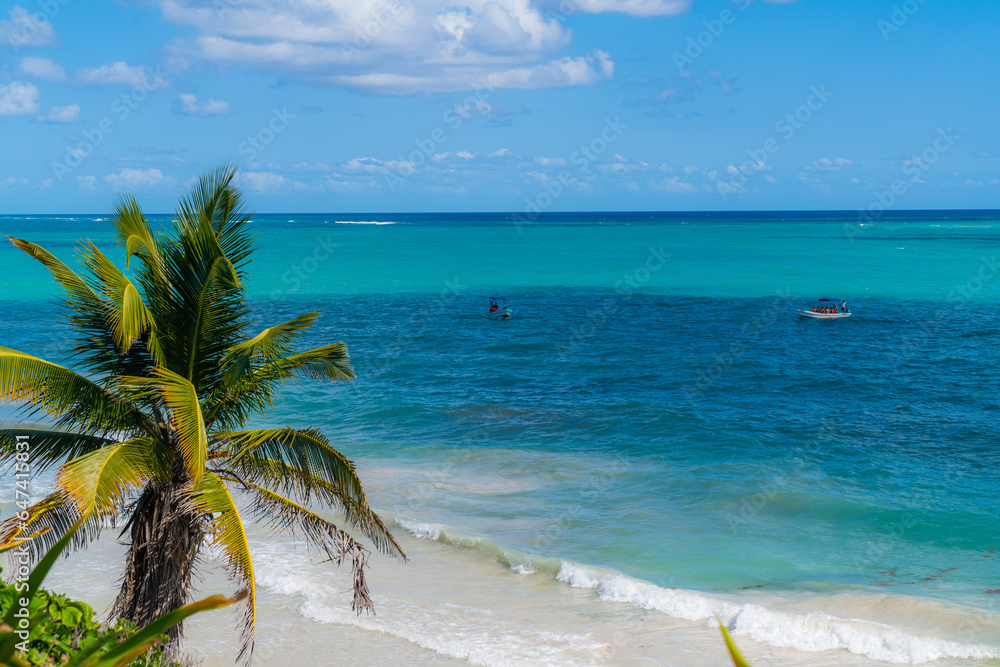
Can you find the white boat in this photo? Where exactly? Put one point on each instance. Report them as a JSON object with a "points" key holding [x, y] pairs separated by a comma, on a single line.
{"points": [[827, 310], [822, 316], [499, 309]]}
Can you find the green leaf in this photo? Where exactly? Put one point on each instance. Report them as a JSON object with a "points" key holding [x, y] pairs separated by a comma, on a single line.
{"points": [[182, 399], [734, 652], [101, 480], [40, 571], [214, 499]]}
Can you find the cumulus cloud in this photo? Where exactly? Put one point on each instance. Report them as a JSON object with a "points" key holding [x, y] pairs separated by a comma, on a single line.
{"points": [[137, 179], [401, 48], [120, 73], [41, 68], [18, 99], [66, 114], [25, 30], [557, 73], [189, 105]]}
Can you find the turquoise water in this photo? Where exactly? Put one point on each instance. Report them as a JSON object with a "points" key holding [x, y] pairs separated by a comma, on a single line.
{"points": [[655, 408]]}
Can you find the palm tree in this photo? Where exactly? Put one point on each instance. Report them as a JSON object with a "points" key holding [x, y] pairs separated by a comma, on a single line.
{"points": [[151, 430]]}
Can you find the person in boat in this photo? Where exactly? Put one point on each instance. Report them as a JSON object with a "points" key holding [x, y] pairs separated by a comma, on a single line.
{"points": [[493, 308]]}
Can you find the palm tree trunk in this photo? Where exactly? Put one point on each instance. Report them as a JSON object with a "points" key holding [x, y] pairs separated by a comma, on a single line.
{"points": [[165, 534]]}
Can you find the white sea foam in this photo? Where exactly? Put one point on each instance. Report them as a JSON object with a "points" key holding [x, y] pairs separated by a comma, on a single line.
{"points": [[362, 222], [426, 531], [804, 632], [460, 631]]}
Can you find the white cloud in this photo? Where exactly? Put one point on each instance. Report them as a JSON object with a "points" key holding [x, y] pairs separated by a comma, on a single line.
{"points": [[676, 185], [189, 105], [11, 182], [120, 73], [261, 181], [41, 68], [24, 30], [828, 164], [137, 179], [635, 7], [557, 73], [18, 99], [401, 48], [66, 114], [372, 165]]}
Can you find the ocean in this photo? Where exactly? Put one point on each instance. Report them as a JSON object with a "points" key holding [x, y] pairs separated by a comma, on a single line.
{"points": [[653, 439]]}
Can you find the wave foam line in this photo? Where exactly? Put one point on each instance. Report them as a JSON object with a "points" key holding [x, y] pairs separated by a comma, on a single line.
{"points": [[465, 633], [361, 222], [803, 632]]}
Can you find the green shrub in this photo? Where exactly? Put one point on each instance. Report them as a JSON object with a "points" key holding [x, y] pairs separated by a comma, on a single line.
{"points": [[68, 626]]}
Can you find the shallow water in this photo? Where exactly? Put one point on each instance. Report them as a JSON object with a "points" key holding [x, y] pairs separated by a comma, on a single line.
{"points": [[653, 439]]}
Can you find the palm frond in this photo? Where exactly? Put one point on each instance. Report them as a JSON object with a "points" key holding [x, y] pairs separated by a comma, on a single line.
{"points": [[269, 344], [100, 481], [232, 406], [329, 362], [205, 310], [303, 461], [96, 346], [128, 315], [77, 289], [55, 514], [49, 447], [335, 543], [134, 232], [180, 396], [213, 498], [58, 391]]}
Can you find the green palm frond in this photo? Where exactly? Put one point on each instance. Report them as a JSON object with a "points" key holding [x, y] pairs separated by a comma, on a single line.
{"points": [[329, 362], [49, 447], [182, 399], [227, 533], [128, 314], [134, 232], [77, 289], [304, 462], [55, 514], [734, 652], [290, 480], [58, 391], [101, 481], [307, 450], [268, 345], [96, 345], [335, 543], [255, 395], [205, 310]]}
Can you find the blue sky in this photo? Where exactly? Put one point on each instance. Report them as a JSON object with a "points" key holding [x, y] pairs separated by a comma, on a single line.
{"points": [[503, 105]]}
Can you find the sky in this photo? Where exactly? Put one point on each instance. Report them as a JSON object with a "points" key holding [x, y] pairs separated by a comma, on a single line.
{"points": [[523, 106]]}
